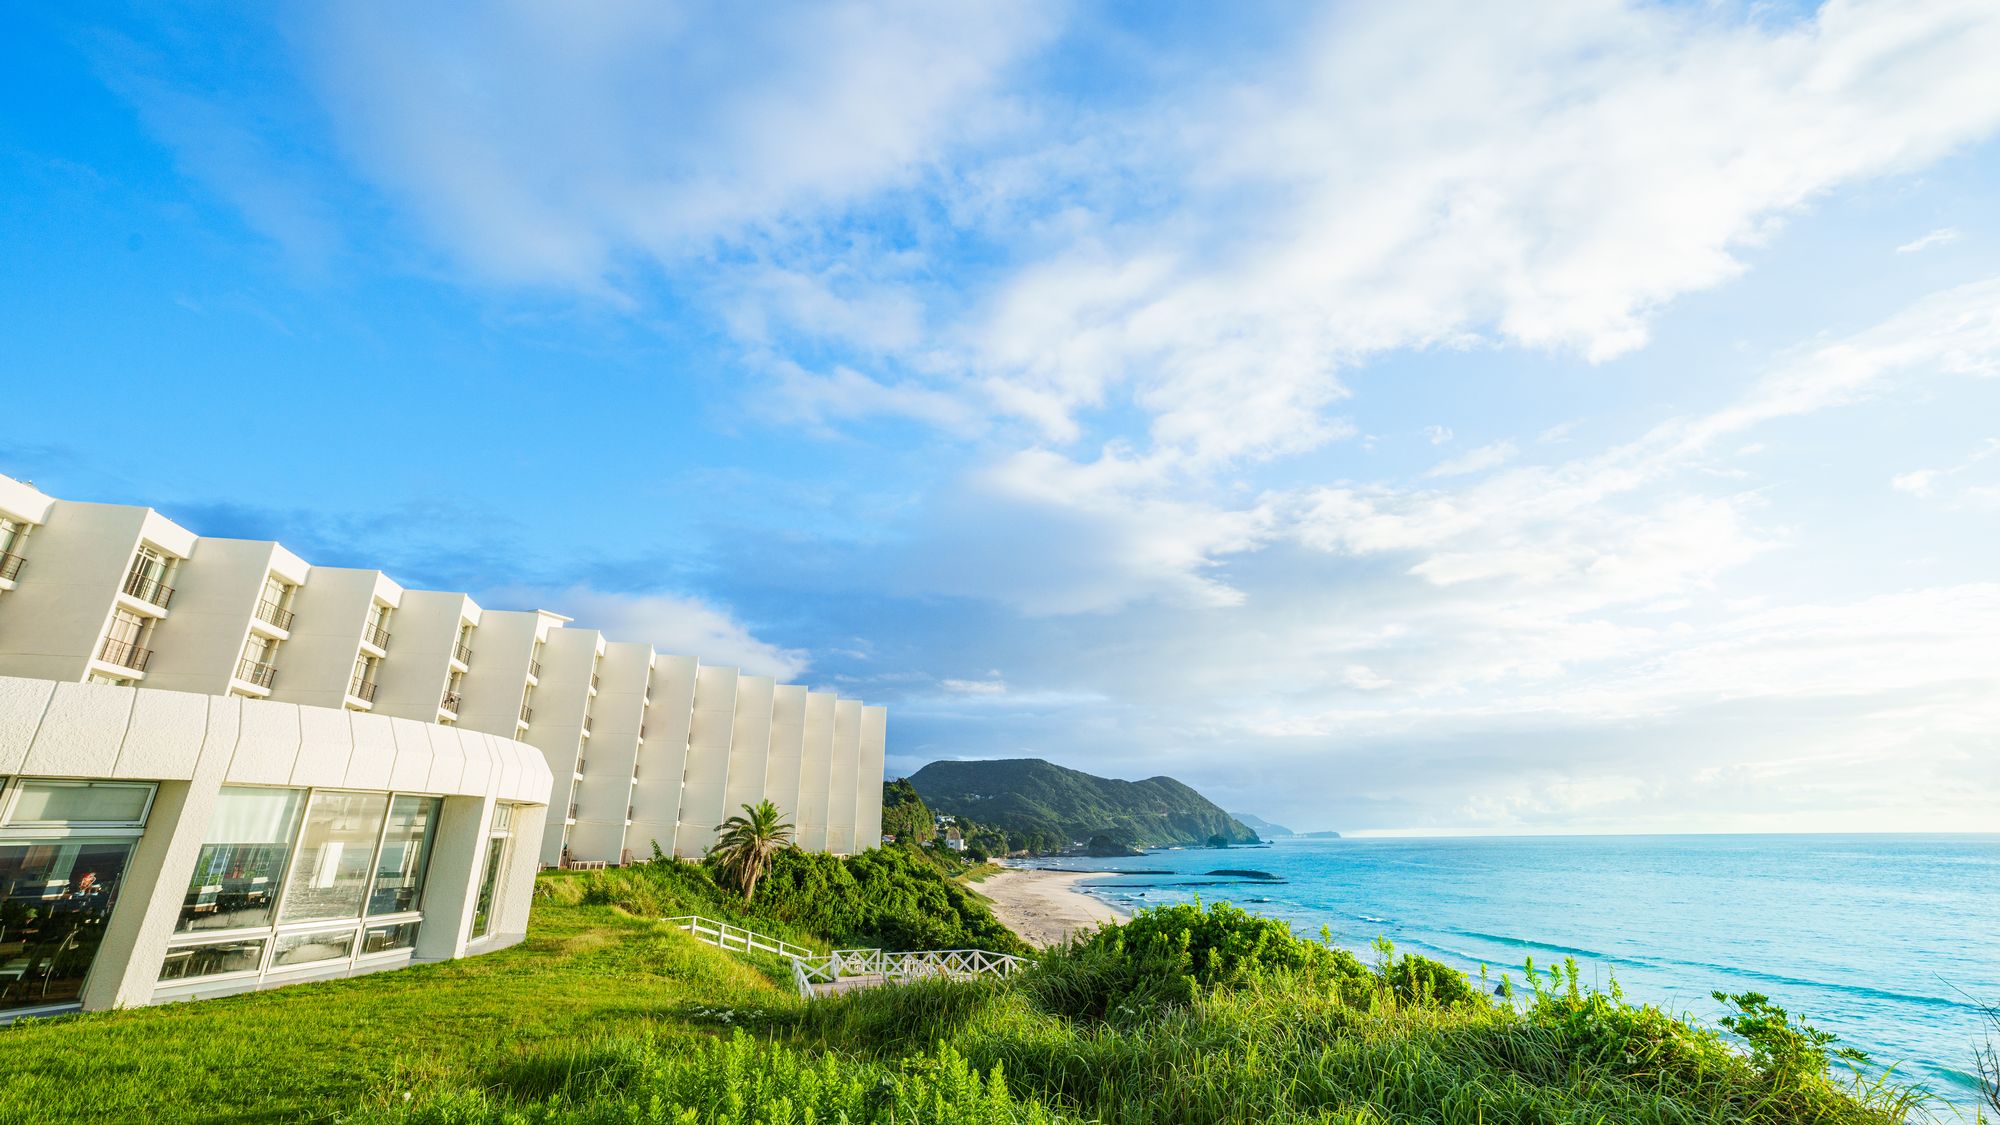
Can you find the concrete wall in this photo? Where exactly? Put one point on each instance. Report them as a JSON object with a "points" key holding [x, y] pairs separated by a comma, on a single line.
{"points": [[815, 770], [662, 763], [749, 744], [706, 778], [788, 736], [868, 778], [426, 632], [843, 791], [563, 705], [330, 613]]}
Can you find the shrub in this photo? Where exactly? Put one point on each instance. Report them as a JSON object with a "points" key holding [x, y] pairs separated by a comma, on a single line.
{"points": [[1170, 955]]}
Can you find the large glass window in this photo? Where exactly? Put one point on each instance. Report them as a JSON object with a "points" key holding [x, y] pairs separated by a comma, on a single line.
{"points": [[389, 939], [237, 876], [73, 803], [489, 885], [406, 851], [55, 898], [335, 856], [309, 948], [242, 955]]}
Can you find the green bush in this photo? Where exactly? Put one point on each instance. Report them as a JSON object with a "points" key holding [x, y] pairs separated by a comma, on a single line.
{"points": [[893, 898], [1171, 955]]}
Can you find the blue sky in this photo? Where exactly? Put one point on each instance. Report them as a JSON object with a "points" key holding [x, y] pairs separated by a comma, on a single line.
{"points": [[1385, 418]]}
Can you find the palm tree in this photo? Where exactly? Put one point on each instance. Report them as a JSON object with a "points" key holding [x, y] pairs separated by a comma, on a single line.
{"points": [[748, 844]]}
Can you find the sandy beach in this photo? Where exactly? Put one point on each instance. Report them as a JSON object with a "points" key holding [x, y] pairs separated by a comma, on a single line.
{"points": [[1045, 907]]}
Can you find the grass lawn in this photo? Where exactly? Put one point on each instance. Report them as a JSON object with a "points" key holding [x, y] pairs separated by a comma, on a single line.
{"points": [[327, 1050]]}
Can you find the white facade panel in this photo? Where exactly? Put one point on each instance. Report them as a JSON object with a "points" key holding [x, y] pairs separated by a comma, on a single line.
{"points": [[706, 777], [815, 770], [788, 735], [843, 777], [868, 801], [749, 744], [663, 753]]}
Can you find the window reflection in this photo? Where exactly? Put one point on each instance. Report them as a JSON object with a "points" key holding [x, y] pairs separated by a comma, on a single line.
{"points": [[307, 948], [55, 898], [388, 939], [336, 851], [237, 875], [241, 956], [489, 882], [406, 849]]}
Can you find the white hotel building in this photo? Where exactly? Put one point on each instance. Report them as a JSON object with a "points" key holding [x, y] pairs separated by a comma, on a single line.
{"points": [[222, 768]]}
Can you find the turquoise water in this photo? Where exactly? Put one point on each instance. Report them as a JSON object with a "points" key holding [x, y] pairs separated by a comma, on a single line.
{"points": [[1875, 938]]}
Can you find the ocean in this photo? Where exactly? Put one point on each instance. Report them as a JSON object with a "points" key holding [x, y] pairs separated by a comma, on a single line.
{"points": [[1885, 941]]}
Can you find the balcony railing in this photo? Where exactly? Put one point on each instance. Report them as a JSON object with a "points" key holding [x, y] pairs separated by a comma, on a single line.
{"points": [[361, 689], [125, 654], [149, 590], [376, 635], [586, 724], [450, 702], [10, 566], [271, 613], [572, 810], [535, 669], [462, 653], [594, 681], [642, 732], [527, 713], [256, 672]]}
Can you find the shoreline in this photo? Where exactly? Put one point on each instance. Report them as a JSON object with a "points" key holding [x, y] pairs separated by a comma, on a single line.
{"points": [[1046, 907]]}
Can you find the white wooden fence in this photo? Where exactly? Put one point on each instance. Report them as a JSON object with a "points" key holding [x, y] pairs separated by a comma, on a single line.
{"points": [[817, 975]]}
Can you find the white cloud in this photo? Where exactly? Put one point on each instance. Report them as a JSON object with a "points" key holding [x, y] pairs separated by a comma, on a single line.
{"points": [[1918, 482], [1923, 483], [995, 686], [670, 623], [1477, 461], [1938, 237], [1437, 435], [552, 147]]}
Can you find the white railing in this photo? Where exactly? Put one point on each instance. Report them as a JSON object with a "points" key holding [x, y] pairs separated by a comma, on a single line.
{"points": [[725, 936], [811, 971]]}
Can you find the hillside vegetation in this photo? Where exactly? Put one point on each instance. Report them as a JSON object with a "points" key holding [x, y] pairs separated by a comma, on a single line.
{"points": [[1043, 807]]}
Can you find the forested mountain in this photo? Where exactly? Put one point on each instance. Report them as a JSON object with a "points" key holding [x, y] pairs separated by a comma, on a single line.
{"points": [[1044, 807], [1269, 830]]}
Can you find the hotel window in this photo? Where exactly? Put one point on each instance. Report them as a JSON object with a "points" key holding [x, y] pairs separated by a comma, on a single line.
{"points": [[312, 947], [406, 853], [330, 869], [150, 577], [11, 535], [125, 641], [256, 667], [238, 874], [389, 938], [236, 955], [64, 848], [274, 604], [487, 905]]}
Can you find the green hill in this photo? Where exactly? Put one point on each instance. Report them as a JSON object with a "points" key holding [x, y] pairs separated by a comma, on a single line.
{"points": [[1044, 807]]}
